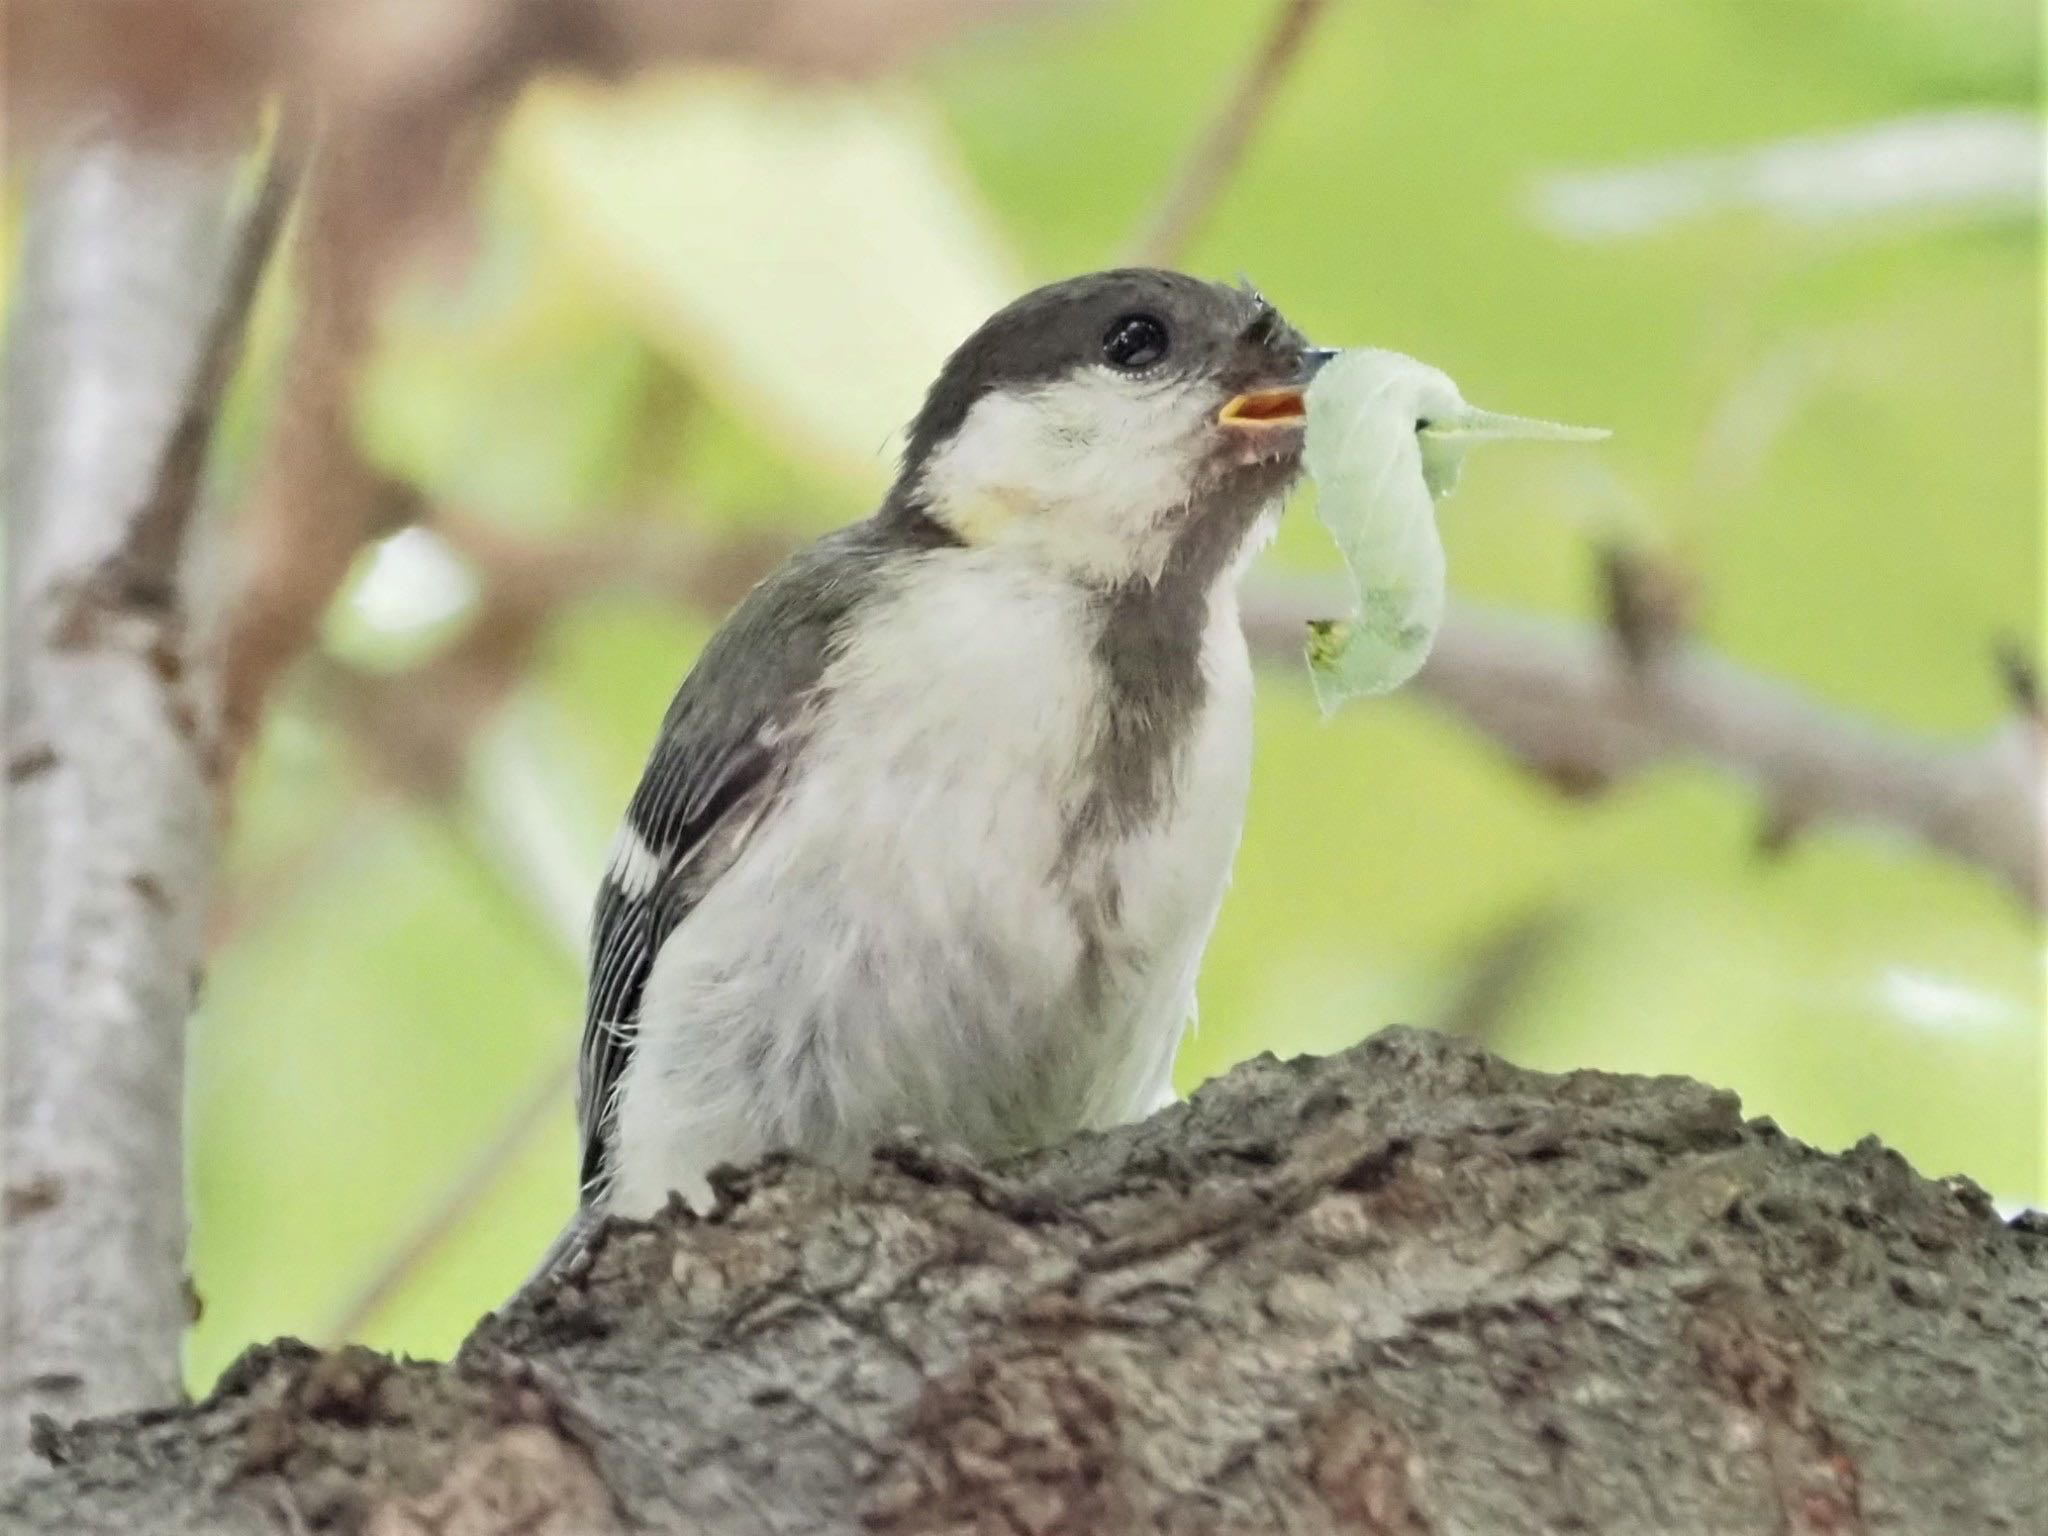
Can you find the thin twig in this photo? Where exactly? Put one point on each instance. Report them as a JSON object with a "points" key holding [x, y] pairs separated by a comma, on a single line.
{"points": [[1208, 167], [315, 501], [150, 552], [1499, 973], [528, 1117]]}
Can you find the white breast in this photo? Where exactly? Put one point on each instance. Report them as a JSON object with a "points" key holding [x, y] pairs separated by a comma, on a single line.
{"points": [[893, 945]]}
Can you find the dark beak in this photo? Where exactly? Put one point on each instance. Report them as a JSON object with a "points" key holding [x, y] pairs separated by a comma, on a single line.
{"points": [[1312, 360]]}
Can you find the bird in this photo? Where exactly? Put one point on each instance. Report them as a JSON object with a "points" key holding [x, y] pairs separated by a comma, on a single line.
{"points": [[935, 830]]}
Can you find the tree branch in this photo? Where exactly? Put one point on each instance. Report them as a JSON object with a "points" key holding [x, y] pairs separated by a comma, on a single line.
{"points": [[128, 320], [1404, 1291], [1586, 710]]}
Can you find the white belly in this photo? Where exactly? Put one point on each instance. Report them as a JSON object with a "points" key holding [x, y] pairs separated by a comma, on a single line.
{"points": [[894, 945]]}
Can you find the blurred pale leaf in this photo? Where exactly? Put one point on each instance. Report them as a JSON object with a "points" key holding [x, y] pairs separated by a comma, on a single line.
{"points": [[537, 817], [808, 256], [407, 595], [1976, 163], [516, 389]]}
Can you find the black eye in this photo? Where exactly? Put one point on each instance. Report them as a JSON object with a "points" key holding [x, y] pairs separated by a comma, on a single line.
{"points": [[1135, 341]]}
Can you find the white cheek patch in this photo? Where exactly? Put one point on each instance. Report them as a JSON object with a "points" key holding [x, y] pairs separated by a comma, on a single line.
{"points": [[1085, 470]]}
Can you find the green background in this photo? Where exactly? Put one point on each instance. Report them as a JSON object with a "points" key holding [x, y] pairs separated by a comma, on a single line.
{"points": [[693, 300]]}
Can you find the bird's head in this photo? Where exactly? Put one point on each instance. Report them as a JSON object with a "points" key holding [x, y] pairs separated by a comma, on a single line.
{"points": [[1097, 423]]}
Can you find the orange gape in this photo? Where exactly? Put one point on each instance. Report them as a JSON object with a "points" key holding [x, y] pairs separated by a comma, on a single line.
{"points": [[1265, 405]]}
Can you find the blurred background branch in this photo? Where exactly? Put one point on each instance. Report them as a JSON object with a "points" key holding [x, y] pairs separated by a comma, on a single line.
{"points": [[1210, 162], [1584, 710]]}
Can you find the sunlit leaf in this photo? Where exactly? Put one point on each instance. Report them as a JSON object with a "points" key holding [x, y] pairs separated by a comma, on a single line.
{"points": [[513, 387], [808, 255]]}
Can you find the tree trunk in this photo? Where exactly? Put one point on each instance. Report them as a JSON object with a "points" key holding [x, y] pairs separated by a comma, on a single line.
{"points": [[1405, 1290], [107, 808]]}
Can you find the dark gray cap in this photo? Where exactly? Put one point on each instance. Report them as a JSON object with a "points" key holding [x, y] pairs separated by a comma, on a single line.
{"points": [[1229, 334]]}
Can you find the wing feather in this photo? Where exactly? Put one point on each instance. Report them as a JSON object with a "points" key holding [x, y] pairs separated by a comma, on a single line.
{"points": [[730, 737], [684, 815]]}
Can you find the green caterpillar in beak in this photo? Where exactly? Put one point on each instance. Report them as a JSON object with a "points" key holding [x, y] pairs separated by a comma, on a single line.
{"points": [[1386, 436]]}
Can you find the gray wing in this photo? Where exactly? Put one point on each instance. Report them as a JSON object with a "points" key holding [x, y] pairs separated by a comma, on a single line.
{"points": [[726, 744], [684, 808]]}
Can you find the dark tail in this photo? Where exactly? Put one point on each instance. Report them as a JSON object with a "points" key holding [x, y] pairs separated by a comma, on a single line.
{"points": [[569, 1245]]}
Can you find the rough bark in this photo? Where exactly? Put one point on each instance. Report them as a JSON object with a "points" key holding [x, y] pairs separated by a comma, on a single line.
{"points": [[1405, 1290]]}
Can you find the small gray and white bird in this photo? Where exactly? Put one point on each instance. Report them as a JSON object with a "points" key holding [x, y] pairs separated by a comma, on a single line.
{"points": [[935, 830]]}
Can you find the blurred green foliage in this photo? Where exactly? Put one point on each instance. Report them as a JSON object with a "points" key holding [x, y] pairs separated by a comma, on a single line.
{"points": [[710, 300]]}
